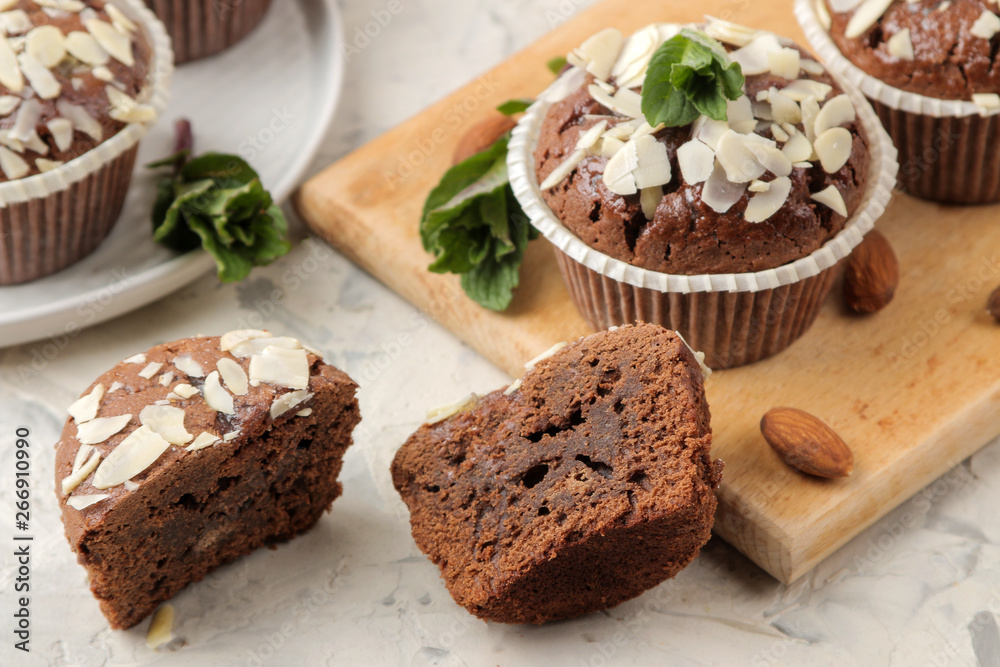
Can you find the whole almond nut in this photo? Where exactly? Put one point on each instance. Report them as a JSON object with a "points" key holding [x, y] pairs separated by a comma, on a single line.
{"points": [[807, 444], [872, 275], [482, 135], [993, 304]]}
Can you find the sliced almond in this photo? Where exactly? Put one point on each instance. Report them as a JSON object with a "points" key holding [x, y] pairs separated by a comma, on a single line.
{"points": [[653, 163], [185, 391], [739, 115], [39, 77], [800, 89], [624, 106], [151, 369], [135, 359], [696, 161], [100, 429], [600, 52], [83, 502], [12, 165], [131, 457], [834, 148], [784, 109], [81, 119], [253, 346], [797, 148], [76, 478], [730, 33], [734, 155], [443, 412], [83, 47], [831, 198], [986, 26], [166, 421], [618, 171], [187, 365], [287, 401], [900, 45], [8, 103], [233, 375], [771, 158], [784, 63], [867, 14], [835, 113], [15, 22], [85, 408], [121, 22], [281, 367], [591, 137], [161, 628], [559, 174], [61, 130], [649, 200], [81, 457], [719, 193], [204, 440], [754, 57], [216, 397], [987, 101], [709, 131], [117, 44], [765, 204], [46, 44]]}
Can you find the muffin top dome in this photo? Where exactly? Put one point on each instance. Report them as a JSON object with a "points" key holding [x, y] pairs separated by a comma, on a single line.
{"points": [[72, 74], [944, 49], [768, 185]]}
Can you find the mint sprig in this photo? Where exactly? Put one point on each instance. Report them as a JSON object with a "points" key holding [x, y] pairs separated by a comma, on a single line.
{"points": [[689, 75], [216, 201], [474, 227]]}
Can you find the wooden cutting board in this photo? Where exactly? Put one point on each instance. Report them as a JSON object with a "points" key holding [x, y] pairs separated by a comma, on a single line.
{"points": [[914, 389]]}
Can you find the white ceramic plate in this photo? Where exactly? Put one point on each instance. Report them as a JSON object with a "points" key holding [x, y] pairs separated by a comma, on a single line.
{"points": [[269, 99]]}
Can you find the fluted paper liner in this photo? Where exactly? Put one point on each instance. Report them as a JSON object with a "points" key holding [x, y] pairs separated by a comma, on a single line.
{"points": [[51, 220], [734, 318], [946, 147], [201, 28]]}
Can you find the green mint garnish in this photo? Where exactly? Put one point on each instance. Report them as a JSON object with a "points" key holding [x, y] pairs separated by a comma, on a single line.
{"points": [[556, 65], [216, 201], [474, 227], [513, 107], [689, 75]]}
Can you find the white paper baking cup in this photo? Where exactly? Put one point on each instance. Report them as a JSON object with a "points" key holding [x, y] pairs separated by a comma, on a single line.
{"points": [[717, 313], [51, 220], [946, 147]]}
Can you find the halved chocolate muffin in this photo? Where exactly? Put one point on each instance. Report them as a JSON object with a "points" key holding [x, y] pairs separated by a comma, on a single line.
{"points": [[185, 457], [585, 483]]}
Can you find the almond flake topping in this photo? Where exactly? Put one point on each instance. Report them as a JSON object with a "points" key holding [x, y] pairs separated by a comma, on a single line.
{"points": [[304, 413], [131, 457], [62, 132], [435, 415], [47, 165], [151, 369], [74, 479], [166, 421], [204, 440], [130, 485], [39, 76], [46, 44], [81, 119], [867, 15], [185, 391], [135, 359], [100, 429], [12, 165], [986, 26], [82, 455], [287, 401], [218, 398], [83, 502], [233, 375], [83, 47], [185, 364], [832, 198], [118, 44], [281, 366], [85, 408], [901, 46]]}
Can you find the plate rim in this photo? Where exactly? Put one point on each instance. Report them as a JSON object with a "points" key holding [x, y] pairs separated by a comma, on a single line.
{"points": [[163, 279]]}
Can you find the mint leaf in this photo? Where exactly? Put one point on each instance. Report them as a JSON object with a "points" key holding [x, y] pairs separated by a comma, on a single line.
{"points": [[556, 65], [689, 75], [474, 227], [217, 201], [511, 107]]}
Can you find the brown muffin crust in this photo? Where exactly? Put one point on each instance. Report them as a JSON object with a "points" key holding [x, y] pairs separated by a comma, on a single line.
{"points": [[949, 62], [193, 511], [588, 485], [79, 86], [686, 236]]}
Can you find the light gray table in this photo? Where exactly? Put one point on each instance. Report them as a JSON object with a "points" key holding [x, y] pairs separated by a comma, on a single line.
{"points": [[922, 587]]}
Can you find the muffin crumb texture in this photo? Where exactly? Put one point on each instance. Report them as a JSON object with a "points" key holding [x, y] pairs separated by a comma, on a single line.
{"points": [[586, 484]]}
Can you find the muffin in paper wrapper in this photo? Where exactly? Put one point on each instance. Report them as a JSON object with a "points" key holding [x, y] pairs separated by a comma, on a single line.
{"points": [[201, 28], [946, 147], [52, 220], [734, 318]]}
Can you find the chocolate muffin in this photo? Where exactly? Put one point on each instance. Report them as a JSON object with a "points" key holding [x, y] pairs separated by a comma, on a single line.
{"points": [[582, 485], [680, 231], [931, 70], [185, 457], [929, 47], [201, 28], [728, 230], [79, 83]]}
